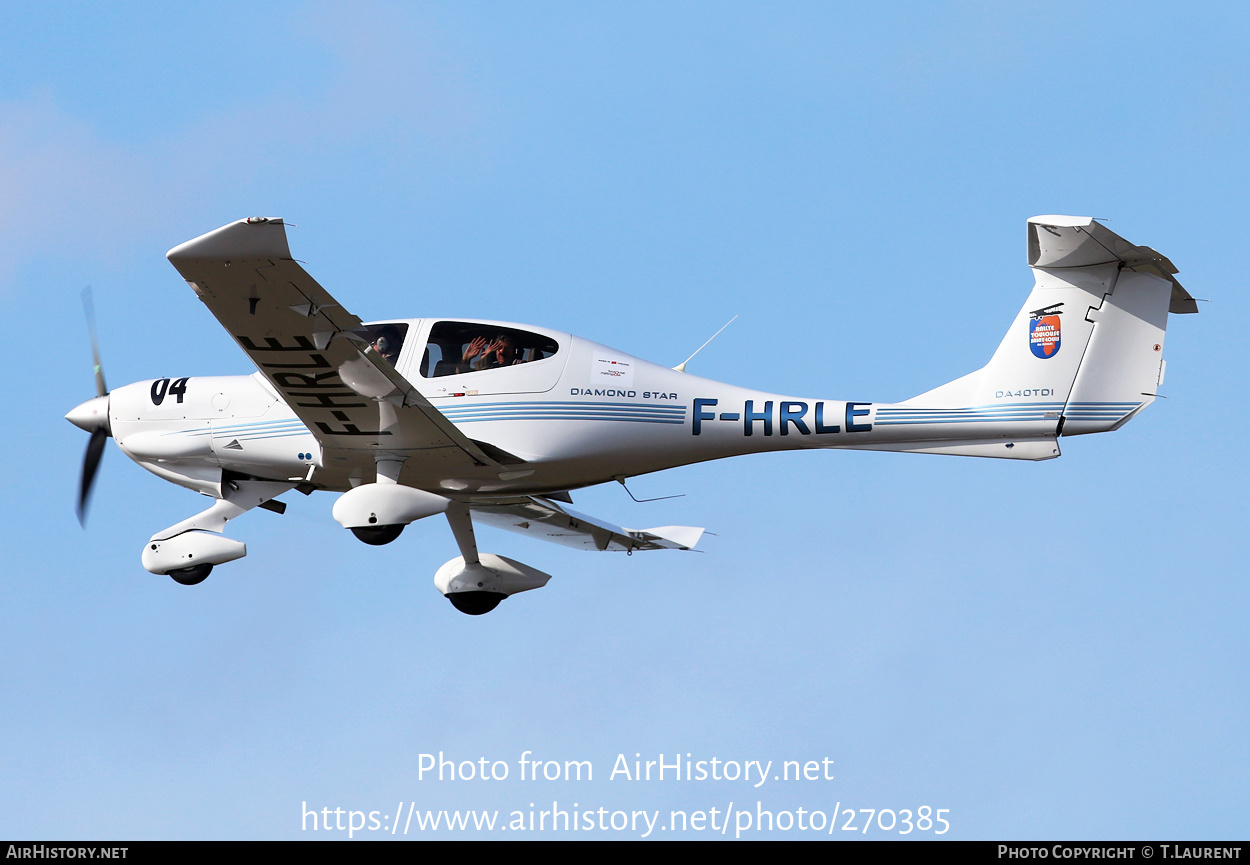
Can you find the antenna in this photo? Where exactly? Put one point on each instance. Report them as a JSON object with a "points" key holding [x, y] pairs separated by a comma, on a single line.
{"points": [[681, 367], [620, 479]]}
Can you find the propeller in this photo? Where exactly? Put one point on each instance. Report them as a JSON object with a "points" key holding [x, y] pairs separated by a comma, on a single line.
{"points": [[90, 463], [92, 416], [88, 308]]}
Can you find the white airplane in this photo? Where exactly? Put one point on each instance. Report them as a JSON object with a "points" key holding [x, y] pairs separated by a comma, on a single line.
{"points": [[494, 422]]}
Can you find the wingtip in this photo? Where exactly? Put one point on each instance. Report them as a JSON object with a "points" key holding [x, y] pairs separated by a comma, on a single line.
{"points": [[1059, 221], [685, 537], [254, 237]]}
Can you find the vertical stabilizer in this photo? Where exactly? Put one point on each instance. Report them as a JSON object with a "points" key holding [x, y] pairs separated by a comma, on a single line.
{"points": [[1085, 352]]}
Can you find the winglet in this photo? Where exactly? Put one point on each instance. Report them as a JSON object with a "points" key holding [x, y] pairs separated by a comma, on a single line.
{"points": [[255, 237], [684, 537]]}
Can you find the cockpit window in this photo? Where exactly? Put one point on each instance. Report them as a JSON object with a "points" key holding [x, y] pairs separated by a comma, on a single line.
{"points": [[385, 340], [458, 347]]}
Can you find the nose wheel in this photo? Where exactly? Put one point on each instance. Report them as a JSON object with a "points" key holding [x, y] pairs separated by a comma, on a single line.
{"points": [[193, 575]]}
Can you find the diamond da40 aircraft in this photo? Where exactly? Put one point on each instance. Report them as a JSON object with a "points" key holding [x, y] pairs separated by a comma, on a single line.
{"points": [[495, 423]]}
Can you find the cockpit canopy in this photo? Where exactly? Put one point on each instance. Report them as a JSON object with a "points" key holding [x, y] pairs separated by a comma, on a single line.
{"points": [[458, 347]]}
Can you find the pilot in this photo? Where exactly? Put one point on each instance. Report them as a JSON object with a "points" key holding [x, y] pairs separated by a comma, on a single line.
{"points": [[387, 343], [501, 351]]}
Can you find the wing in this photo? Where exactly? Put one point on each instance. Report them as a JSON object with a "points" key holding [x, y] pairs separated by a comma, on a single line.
{"points": [[549, 521], [313, 352]]}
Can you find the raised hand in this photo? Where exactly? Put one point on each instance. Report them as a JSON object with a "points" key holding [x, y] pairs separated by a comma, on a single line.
{"points": [[474, 348]]}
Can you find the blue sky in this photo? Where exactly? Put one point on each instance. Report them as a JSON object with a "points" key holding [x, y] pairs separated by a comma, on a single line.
{"points": [[1046, 650]]}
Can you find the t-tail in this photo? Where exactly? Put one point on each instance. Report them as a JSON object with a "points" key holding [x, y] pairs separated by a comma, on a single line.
{"points": [[1084, 354]]}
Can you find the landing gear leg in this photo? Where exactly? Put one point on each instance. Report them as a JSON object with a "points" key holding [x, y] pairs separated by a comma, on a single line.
{"points": [[470, 602], [187, 551]]}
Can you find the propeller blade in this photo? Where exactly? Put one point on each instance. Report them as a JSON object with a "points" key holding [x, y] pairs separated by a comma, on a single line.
{"points": [[89, 308], [90, 465]]}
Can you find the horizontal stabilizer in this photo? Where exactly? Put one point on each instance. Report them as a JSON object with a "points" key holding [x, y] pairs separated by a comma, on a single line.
{"points": [[1081, 241]]}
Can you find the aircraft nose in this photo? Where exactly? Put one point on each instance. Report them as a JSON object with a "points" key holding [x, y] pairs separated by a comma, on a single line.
{"points": [[91, 415]]}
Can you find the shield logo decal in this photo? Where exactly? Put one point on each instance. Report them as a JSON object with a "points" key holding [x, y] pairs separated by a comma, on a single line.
{"points": [[1044, 332]]}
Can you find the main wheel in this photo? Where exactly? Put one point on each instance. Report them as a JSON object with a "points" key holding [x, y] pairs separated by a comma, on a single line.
{"points": [[193, 575], [378, 535], [475, 603]]}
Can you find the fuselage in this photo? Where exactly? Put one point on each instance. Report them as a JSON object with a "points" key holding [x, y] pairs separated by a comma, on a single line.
{"points": [[582, 415]]}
